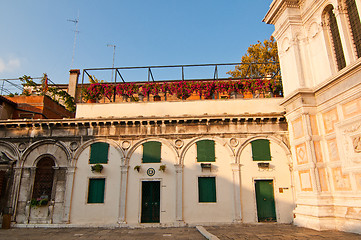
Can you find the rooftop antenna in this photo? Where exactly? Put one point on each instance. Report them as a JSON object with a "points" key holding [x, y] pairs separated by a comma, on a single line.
{"points": [[113, 46], [75, 21]]}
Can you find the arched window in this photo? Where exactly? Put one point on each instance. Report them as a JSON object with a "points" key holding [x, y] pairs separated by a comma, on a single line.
{"points": [[44, 176], [335, 37], [355, 24]]}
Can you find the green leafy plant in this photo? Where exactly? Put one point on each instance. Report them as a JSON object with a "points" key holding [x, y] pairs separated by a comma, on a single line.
{"points": [[27, 81], [162, 168], [54, 93], [97, 168], [137, 168], [38, 202]]}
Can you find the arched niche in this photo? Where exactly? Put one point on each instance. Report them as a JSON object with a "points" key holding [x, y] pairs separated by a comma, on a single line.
{"points": [[59, 152]]}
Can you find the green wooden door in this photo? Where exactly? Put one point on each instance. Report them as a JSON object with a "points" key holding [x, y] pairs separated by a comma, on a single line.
{"points": [[265, 201], [150, 202]]}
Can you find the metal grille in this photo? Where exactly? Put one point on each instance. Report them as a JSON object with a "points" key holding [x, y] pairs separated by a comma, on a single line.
{"points": [[44, 178], [355, 24], [335, 35]]}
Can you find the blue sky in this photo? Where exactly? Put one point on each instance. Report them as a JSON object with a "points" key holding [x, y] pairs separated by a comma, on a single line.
{"points": [[36, 37]]}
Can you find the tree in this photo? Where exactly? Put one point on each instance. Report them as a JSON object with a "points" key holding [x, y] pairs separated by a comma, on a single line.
{"points": [[261, 60]]}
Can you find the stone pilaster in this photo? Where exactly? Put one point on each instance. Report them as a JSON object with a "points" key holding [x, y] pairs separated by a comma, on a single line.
{"points": [[179, 192], [70, 171], [236, 172], [124, 171]]}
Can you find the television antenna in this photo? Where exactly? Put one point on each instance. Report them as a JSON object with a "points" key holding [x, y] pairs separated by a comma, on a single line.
{"points": [[75, 21], [113, 46]]}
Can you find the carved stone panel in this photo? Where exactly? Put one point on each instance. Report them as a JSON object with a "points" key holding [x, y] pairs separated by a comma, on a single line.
{"points": [[348, 135]]}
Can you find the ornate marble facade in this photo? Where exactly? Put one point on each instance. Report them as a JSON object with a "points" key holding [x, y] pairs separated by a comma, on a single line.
{"points": [[322, 101]]}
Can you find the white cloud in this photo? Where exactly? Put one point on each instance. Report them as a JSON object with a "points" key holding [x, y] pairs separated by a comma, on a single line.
{"points": [[9, 65]]}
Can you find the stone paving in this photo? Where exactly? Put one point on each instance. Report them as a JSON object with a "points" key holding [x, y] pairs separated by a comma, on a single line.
{"points": [[100, 233], [275, 231], [224, 232]]}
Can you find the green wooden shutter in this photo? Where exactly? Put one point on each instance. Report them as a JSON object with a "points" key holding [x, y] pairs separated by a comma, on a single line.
{"points": [[99, 153], [96, 190], [205, 151], [261, 150], [151, 152], [207, 189]]}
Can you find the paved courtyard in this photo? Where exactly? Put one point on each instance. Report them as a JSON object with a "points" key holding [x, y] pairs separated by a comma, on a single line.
{"points": [[275, 231], [238, 231]]}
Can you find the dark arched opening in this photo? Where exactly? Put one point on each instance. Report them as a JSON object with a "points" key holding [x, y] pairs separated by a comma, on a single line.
{"points": [[355, 24], [44, 177], [335, 37]]}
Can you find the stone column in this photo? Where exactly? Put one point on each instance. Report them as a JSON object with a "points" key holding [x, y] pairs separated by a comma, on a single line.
{"points": [[236, 174], [53, 194], [70, 172], [124, 170], [179, 192], [29, 186], [14, 195]]}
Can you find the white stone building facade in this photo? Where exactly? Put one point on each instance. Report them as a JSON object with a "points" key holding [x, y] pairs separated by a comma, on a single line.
{"points": [[222, 188], [319, 51]]}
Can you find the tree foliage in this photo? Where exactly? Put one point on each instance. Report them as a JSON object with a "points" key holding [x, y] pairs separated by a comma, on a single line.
{"points": [[264, 59]]}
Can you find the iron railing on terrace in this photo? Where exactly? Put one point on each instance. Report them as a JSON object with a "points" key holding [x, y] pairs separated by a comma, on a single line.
{"points": [[215, 72], [248, 72], [14, 86]]}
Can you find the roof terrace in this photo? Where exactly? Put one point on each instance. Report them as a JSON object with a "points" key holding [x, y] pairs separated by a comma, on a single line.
{"points": [[180, 82], [180, 91]]}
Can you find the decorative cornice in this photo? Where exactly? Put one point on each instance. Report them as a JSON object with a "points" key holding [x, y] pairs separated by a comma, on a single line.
{"points": [[95, 122], [277, 8], [297, 93]]}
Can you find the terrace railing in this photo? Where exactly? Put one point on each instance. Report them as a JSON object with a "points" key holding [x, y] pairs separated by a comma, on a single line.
{"points": [[14, 86], [182, 81]]}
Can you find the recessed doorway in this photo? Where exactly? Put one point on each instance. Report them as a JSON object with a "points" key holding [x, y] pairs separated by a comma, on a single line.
{"points": [[265, 201], [150, 202]]}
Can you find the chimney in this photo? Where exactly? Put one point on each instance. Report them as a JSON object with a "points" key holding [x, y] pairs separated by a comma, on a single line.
{"points": [[73, 82]]}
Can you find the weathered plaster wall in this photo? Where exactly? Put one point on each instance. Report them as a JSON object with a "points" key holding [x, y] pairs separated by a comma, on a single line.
{"points": [[279, 171], [208, 213], [95, 213], [179, 108]]}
